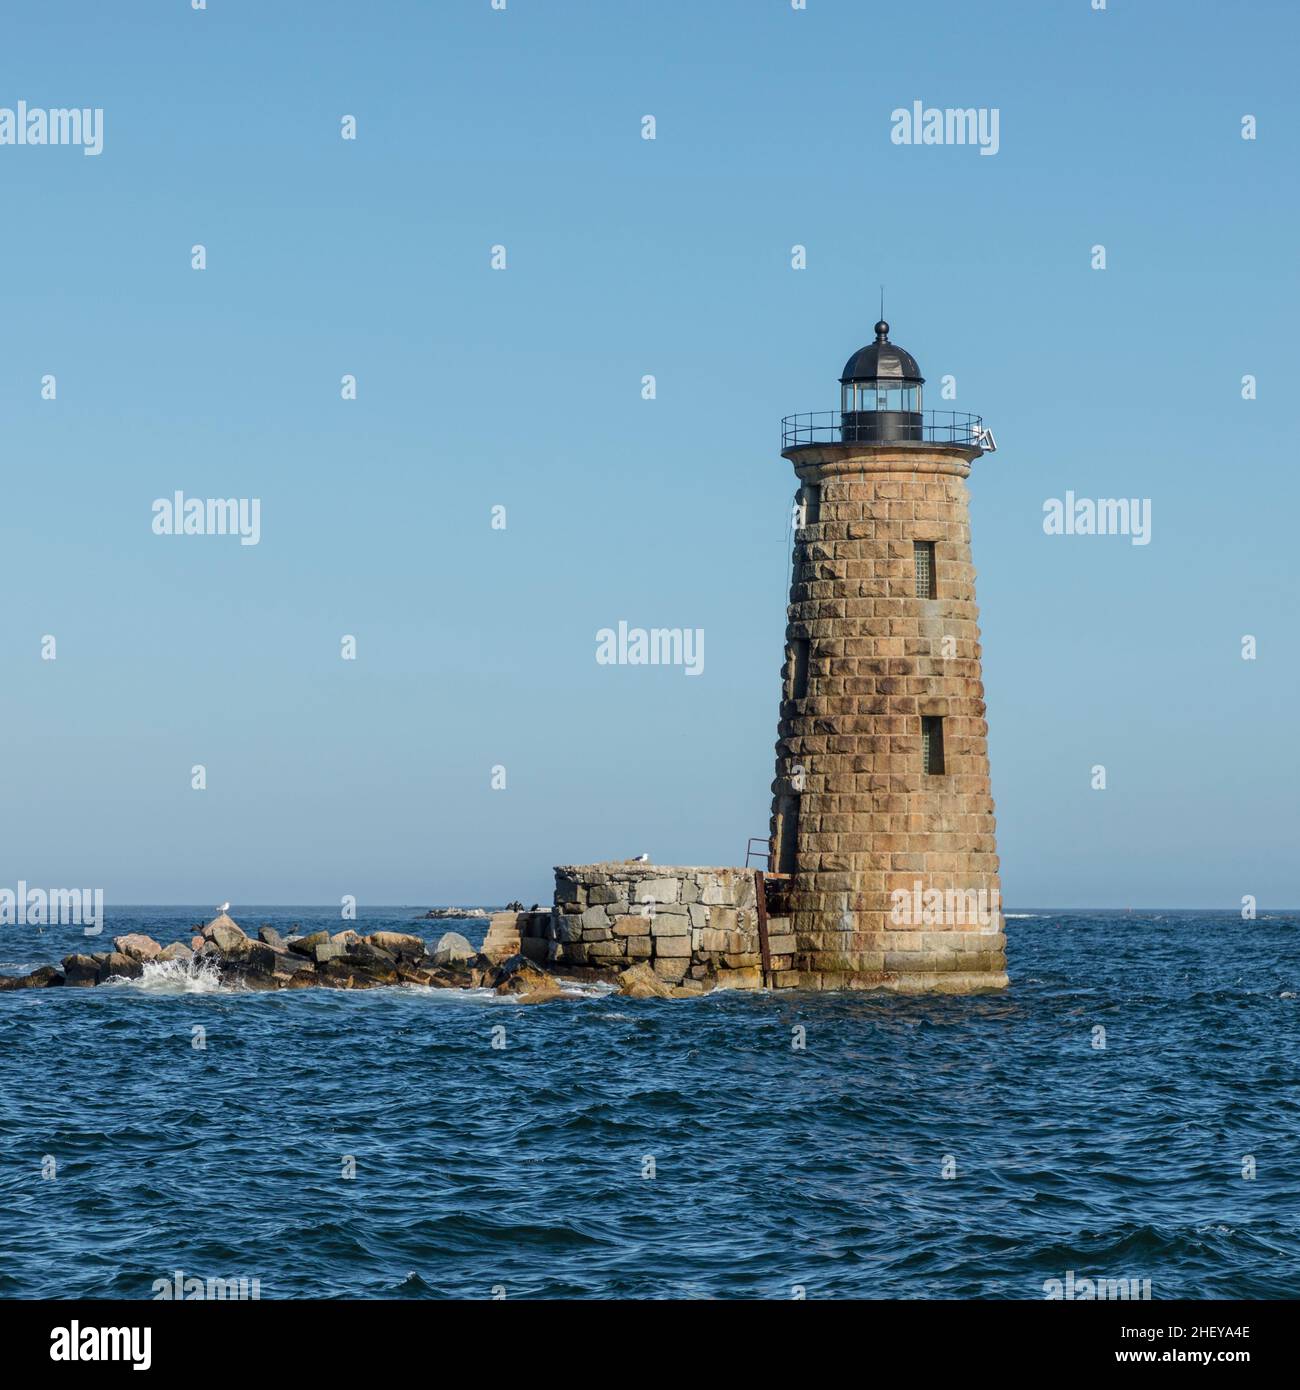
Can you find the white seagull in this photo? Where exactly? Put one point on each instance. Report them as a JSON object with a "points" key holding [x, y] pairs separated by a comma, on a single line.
{"points": [[225, 907], [642, 859]]}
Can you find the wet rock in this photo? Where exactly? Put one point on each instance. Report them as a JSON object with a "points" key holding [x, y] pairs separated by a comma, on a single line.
{"points": [[690, 989], [137, 946], [453, 949], [425, 975], [251, 979], [287, 963], [178, 950], [196, 943], [306, 945], [640, 982], [114, 964], [400, 943], [227, 935], [39, 978], [80, 969], [372, 960], [327, 950], [343, 974], [520, 976], [367, 953], [271, 938], [262, 959]]}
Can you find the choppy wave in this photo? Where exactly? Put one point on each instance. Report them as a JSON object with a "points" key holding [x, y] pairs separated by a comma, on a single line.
{"points": [[1119, 1112], [199, 975]]}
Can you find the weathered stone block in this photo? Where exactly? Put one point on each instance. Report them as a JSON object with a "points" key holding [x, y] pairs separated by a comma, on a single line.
{"points": [[722, 918], [594, 917], [672, 946], [631, 926], [661, 925], [659, 890], [671, 969], [740, 979], [605, 950]]}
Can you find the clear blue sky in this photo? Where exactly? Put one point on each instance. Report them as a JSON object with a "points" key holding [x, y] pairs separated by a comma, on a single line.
{"points": [[522, 388]]}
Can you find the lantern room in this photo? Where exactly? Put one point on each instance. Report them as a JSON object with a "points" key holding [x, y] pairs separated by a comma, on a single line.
{"points": [[880, 393]]}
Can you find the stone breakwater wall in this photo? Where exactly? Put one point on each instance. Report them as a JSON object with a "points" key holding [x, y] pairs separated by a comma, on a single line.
{"points": [[688, 925]]}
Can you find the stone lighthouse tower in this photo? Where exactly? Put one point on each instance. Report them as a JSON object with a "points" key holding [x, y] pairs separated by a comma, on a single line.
{"points": [[883, 840]]}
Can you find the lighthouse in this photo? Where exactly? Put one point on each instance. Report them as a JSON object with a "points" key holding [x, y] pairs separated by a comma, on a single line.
{"points": [[883, 847]]}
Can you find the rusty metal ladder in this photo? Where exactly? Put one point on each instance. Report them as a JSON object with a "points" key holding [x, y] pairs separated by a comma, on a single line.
{"points": [[760, 908]]}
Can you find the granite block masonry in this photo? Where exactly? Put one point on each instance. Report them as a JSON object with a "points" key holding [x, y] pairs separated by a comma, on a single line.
{"points": [[882, 797], [688, 924]]}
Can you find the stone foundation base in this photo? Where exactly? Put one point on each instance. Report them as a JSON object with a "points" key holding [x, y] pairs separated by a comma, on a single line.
{"points": [[702, 924]]}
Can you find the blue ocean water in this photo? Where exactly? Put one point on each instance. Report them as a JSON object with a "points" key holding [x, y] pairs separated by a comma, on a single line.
{"points": [[615, 1148]]}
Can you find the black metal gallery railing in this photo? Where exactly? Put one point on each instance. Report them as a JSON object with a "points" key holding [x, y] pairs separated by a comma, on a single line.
{"points": [[921, 427]]}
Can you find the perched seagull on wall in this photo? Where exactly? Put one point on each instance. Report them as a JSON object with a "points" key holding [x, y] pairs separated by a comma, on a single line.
{"points": [[642, 859]]}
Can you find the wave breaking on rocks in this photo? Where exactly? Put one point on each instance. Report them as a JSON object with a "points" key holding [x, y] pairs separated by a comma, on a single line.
{"points": [[223, 956]]}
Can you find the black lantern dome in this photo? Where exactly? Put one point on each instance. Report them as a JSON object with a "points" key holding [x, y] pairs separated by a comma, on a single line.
{"points": [[880, 393]]}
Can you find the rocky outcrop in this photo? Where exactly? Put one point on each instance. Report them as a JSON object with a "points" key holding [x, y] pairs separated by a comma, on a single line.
{"points": [[348, 960], [521, 977], [225, 934], [453, 949], [40, 978], [639, 981], [137, 946], [400, 943]]}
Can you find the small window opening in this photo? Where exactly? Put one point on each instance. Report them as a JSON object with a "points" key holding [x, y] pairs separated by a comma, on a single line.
{"points": [[799, 668], [812, 503], [923, 561], [787, 835], [932, 744]]}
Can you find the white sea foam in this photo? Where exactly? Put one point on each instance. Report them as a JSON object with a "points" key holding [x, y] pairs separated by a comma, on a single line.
{"points": [[199, 975], [1022, 914], [446, 996], [588, 989]]}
